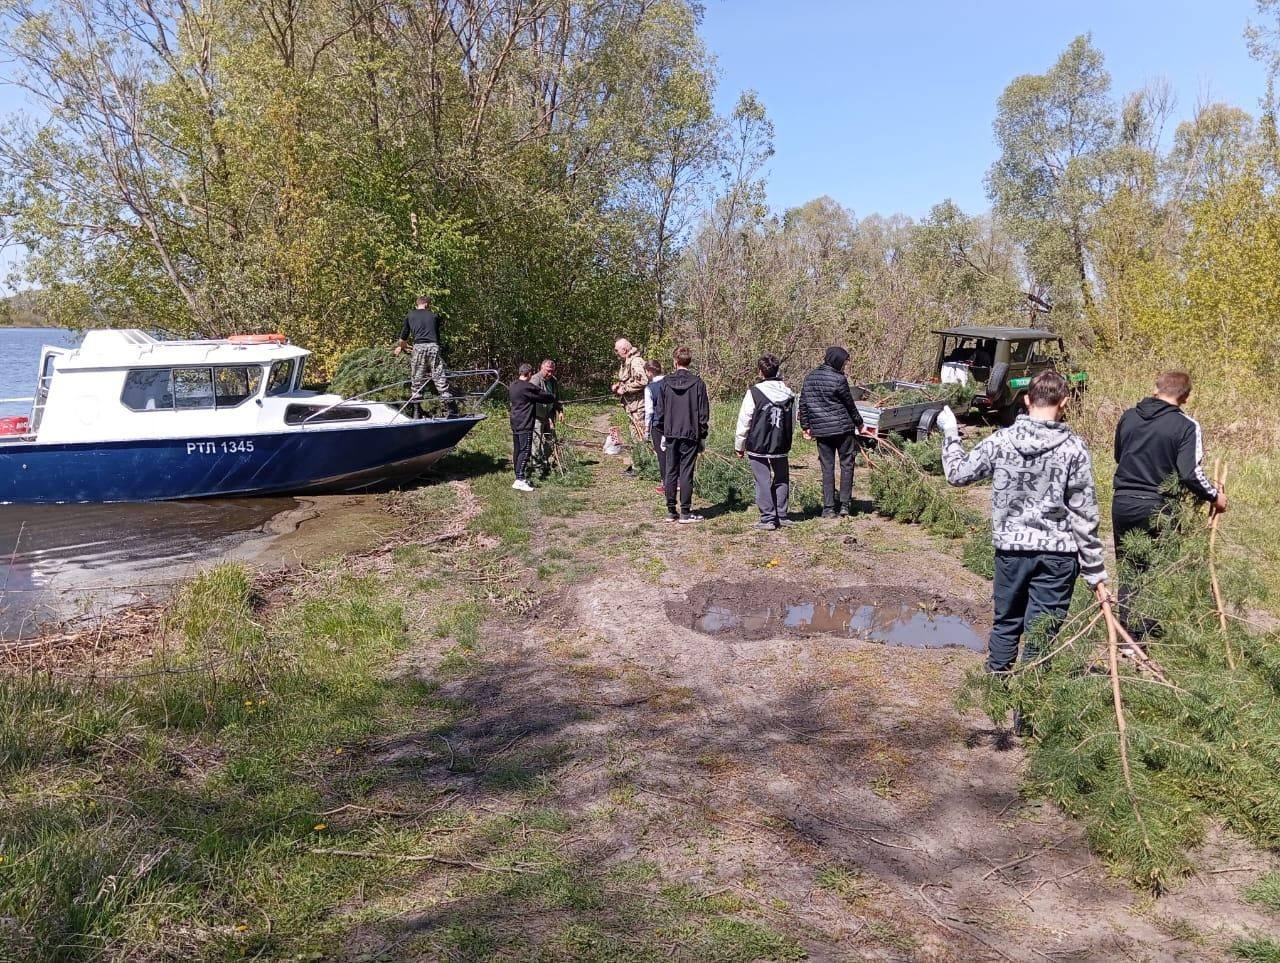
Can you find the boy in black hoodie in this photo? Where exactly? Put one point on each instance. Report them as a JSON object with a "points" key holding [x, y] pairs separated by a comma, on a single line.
{"points": [[524, 397], [1155, 442], [683, 421]]}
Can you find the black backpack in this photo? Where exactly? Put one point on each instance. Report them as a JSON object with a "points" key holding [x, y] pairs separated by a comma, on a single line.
{"points": [[772, 425]]}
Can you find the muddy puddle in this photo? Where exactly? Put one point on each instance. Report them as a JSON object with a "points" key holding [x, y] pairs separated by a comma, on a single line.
{"points": [[892, 615]]}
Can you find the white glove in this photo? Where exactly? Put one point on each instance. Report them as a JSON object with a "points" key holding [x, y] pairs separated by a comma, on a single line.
{"points": [[663, 443], [947, 421]]}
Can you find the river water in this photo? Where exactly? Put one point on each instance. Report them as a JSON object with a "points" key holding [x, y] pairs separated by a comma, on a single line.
{"points": [[60, 561]]}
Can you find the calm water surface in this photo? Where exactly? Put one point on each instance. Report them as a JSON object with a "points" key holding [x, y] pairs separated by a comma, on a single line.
{"points": [[58, 561]]}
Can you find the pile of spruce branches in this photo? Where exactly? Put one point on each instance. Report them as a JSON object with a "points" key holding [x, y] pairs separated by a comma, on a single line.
{"points": [[1182, 736], [905, 491], [1146, 744]]}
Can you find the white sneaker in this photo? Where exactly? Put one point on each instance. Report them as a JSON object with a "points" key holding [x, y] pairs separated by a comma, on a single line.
{"points": [[521, 485]]}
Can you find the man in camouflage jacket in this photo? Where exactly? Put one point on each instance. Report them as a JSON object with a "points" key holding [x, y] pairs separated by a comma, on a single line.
{"points": [[630, 388]]}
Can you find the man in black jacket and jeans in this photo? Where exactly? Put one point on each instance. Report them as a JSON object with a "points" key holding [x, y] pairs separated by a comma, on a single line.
{"points": [[683, 421], [828, 414], [524, 397], [1156, 441]]}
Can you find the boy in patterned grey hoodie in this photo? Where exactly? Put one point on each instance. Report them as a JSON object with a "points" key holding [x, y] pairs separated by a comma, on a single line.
{"points": [[1044, 513]]}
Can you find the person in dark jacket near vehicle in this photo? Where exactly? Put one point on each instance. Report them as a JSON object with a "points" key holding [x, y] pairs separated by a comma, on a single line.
{"points": [[525, 398], [683, 418], [1156, 441], [763, 437], [829, 416]]}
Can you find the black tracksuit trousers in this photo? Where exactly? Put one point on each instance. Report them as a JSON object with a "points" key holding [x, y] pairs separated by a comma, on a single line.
{"points": [[1130, 515], [682, 454]]}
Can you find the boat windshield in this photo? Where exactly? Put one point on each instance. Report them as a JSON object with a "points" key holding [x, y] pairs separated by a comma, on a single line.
{"points": [[280, 379]]}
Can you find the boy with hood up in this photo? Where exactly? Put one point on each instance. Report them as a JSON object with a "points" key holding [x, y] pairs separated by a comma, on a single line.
{"points": [[765, 429], [1156, 441], [683, 418], [1044, 514], [828, 413]]}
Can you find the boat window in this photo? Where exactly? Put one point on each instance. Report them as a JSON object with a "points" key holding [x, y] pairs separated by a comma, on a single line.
{"points": [[148, 389], [235, 384], [316, 414], [280, 379], [193, 387]]}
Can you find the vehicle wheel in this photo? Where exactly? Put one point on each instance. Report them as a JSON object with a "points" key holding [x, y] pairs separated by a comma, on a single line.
{"points": [[996, 383], [1007, 415], [928, 425]]}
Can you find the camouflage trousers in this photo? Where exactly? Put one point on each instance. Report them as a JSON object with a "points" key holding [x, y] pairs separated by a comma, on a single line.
{"points": [[544, 446], [426, 365], [635, 415]]}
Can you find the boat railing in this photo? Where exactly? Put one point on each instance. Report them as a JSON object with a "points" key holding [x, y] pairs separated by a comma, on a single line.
{"points": [[458, 404]]}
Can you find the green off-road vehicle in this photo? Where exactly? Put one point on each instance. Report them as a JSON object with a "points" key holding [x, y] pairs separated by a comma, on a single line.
{"points": [[1000, 363]]}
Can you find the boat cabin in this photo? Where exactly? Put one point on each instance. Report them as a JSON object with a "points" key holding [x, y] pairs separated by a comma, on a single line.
{"points": [[126, 384]]}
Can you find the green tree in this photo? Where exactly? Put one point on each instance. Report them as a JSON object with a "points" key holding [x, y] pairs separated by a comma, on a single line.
{"points": [[1054, 131]]}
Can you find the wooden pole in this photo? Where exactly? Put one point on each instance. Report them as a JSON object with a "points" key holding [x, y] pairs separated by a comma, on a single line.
{"points": [[1219, 481]]}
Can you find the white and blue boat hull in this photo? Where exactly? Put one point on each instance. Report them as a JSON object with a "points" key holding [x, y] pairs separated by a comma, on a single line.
{"points": [[332, 459]]}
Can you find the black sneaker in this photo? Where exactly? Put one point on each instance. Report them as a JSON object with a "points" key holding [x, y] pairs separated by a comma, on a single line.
{"points": [[765, 526], [672, 517], [690, 519], [828, 513], [629, 471], [787, 523]]}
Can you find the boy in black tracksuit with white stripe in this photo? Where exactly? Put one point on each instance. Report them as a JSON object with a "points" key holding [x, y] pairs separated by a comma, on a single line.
{"points": [[1156, 441], [683, 418]]}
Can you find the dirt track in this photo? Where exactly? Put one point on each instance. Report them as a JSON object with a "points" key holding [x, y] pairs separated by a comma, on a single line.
{"points": [[829, 779]]}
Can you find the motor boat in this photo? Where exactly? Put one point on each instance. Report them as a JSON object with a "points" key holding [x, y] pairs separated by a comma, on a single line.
{"points": [[131, 417]]}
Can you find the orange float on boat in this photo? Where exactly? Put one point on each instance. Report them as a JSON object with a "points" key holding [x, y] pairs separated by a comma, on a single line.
{"points": [[258, 339]]}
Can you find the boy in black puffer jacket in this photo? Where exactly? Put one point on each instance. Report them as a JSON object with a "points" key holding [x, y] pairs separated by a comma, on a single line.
{"points": [[829, 415]]}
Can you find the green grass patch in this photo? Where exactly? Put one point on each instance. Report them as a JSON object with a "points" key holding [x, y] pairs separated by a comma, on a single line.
{"points": [[1257, 949], [211, 765], [1265, 892]]}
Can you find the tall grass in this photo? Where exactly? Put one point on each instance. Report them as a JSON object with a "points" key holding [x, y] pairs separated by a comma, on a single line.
{"points": [[158, 816]]}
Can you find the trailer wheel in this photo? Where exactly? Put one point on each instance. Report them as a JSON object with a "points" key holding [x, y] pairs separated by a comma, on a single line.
{"points": [[928, 424]]}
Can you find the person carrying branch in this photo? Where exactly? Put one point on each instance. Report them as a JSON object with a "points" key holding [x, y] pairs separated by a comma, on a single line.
{"points": [[1044, 515], [829, 415], [1159, 451]]}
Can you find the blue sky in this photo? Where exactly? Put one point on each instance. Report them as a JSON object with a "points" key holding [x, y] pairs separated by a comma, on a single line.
{"points": [[887, 106]]}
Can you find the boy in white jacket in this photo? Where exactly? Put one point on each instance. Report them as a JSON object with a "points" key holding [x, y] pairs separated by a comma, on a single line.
{"points": [[765, 427]]}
